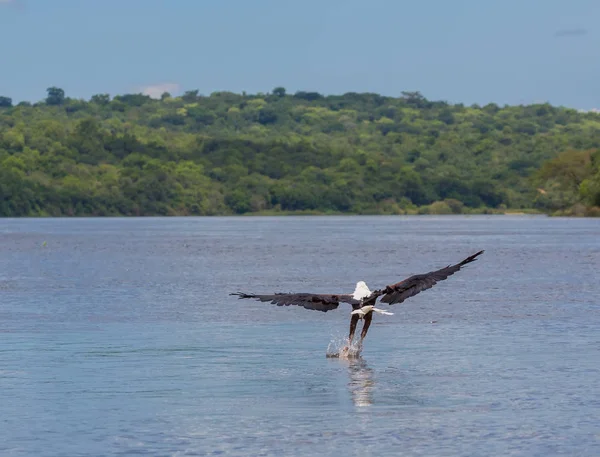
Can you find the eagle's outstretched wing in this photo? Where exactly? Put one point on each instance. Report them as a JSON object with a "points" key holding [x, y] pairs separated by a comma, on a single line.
{"points": [[317, 302], [397, 293]]}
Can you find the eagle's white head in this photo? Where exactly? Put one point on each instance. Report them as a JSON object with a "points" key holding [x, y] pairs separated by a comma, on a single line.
{"points": [[361, 291]]}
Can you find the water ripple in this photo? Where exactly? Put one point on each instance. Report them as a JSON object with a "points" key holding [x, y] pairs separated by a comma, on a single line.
{"points": [[119, 338]]}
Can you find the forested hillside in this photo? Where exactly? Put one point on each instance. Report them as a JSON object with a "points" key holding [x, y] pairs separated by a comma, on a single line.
{"points": [[238, 153]]}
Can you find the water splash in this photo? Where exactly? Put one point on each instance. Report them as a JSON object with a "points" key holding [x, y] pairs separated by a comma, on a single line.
{"points": [[338, 348]]}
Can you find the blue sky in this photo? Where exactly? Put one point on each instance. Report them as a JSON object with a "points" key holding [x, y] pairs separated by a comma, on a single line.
{"points": [[467, 51]]}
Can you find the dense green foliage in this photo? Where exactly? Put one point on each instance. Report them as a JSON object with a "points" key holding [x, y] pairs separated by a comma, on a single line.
{"points": [[237, 153], [570, 184]]}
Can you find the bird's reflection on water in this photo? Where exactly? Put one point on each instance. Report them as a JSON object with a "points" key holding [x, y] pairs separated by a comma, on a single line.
{"points": [[361, 383]]}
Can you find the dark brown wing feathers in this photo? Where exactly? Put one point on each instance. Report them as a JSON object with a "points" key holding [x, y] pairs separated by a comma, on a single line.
{"points": [[397, 293], [317, 302]]}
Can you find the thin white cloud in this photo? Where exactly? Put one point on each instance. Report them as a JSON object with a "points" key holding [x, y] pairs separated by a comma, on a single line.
{"points": [[156, 90], [16, 4], [563, 33]]}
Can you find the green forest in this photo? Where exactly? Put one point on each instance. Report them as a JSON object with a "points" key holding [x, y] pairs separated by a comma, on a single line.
{"points": [[279, 153]]}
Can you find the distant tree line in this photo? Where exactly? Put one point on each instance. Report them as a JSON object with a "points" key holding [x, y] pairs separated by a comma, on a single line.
{"points": [[228, 153]]}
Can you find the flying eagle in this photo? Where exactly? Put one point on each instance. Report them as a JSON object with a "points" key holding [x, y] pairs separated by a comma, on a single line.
{"points": [[363, 300]]}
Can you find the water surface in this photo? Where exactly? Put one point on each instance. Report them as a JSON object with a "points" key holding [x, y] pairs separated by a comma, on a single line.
{"points": [[118, 337]]}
